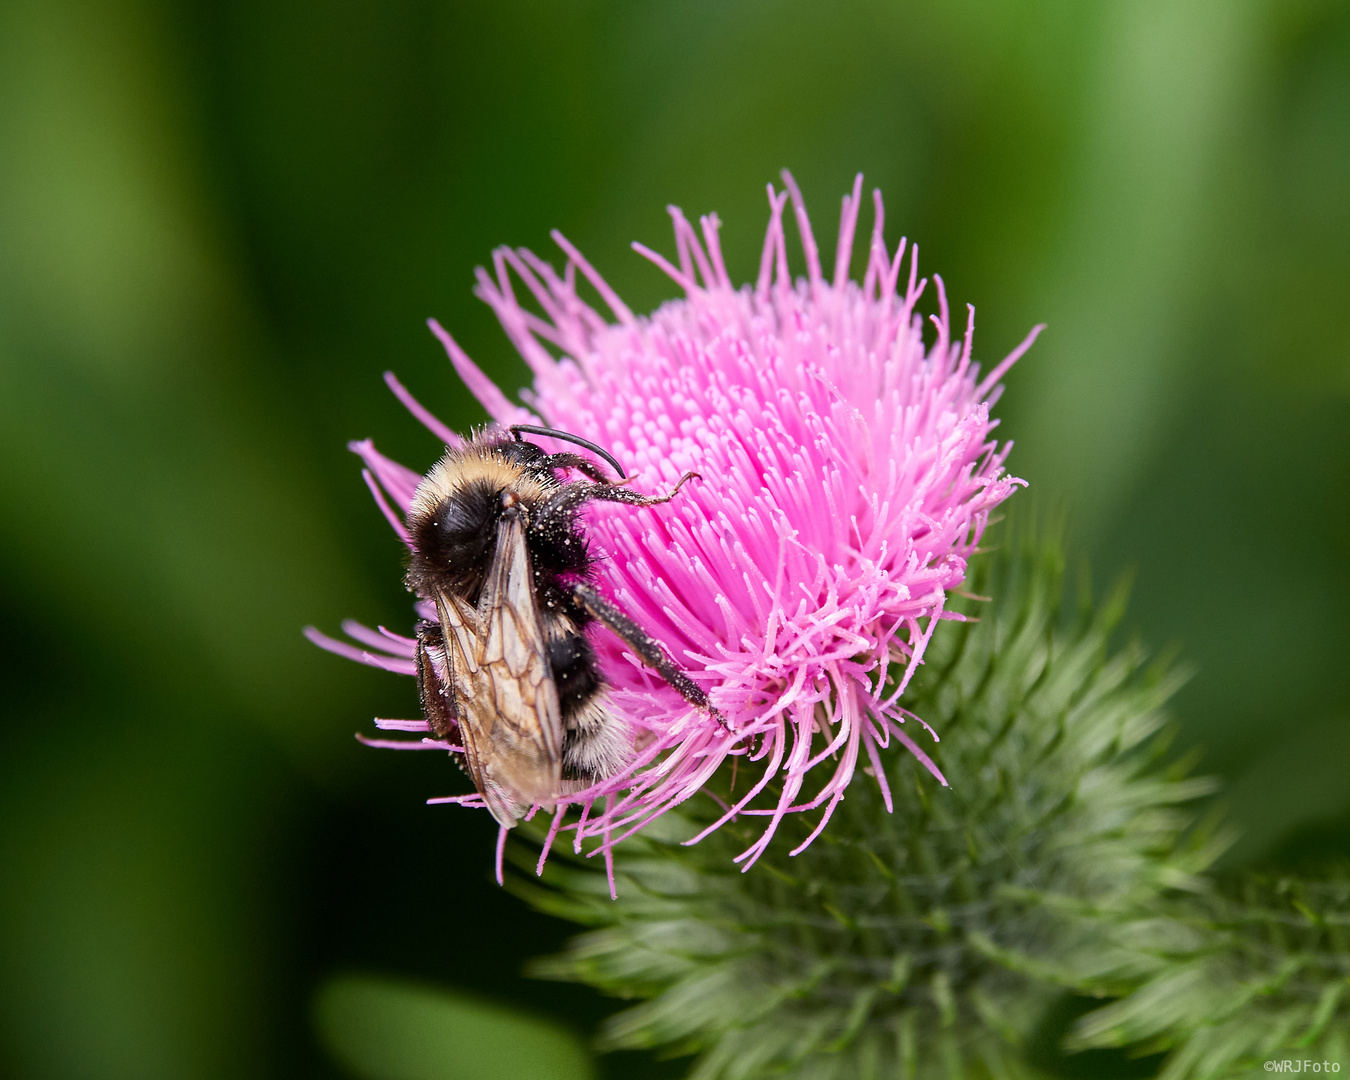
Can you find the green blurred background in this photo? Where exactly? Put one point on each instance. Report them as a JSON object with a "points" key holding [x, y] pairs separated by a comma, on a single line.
{"points": [[220, 222]]}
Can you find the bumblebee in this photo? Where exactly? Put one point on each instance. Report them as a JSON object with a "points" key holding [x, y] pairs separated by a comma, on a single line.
{"points": [[498, 551]]}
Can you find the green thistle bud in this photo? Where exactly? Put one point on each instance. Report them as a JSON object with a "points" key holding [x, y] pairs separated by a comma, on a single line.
{"points": [[930, 941]]}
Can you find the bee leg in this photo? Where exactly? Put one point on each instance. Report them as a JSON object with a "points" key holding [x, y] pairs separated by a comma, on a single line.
{"points": [[632, 498], [646, 647], [583, 465], [558, 510], [437, 695]]}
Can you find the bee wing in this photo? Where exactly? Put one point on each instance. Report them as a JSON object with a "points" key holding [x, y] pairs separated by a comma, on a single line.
{"points": [[509, 713]]}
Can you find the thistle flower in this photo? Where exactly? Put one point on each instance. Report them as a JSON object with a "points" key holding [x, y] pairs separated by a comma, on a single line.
{"points": [[848, 473]]}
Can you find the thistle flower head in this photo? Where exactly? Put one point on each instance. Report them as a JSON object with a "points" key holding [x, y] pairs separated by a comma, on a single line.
{"points": [[847, 472]]}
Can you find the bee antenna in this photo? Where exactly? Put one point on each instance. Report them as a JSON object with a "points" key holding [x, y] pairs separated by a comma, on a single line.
{"points": [[553, 433]]}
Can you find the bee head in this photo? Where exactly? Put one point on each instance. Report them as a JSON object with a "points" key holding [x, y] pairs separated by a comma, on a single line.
{"points": [[452, 537], [452, 523]]}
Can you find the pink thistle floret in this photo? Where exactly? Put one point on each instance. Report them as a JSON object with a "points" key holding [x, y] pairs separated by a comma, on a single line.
{"points": [[847, 476]]}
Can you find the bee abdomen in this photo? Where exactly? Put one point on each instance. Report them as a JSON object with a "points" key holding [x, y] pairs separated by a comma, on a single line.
{"points": [[572, 661], [597, 744]]}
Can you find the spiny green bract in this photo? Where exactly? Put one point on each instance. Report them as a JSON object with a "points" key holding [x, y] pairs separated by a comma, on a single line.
{"points": [[931, 941], [1255, 969]]}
